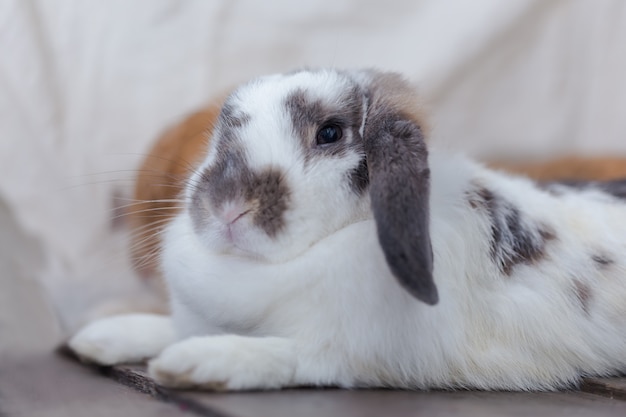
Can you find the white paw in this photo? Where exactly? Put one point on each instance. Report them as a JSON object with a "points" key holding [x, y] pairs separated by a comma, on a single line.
{"points": [[226, 363], [123, 339]]}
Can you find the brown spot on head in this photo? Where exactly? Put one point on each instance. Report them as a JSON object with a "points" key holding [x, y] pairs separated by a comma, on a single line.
{"points": [[583, 294]]}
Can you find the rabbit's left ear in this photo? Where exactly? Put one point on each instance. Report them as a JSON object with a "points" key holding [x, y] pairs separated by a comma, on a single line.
{"points": [[399, 175]]}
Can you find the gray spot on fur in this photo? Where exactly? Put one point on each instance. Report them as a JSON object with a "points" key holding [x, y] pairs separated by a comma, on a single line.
{"points": [[603, 261], [231, 117], [309, 115], [229, 176], [514, 238], [306, 116], [269, 195], [224, 181], [230, 179], [583, 294], [359, 178]]}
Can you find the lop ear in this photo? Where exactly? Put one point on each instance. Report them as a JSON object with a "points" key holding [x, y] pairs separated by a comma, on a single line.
{"points": [[399, 177]]}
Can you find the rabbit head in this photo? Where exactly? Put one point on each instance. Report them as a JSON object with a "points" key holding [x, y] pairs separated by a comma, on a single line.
{"points": [[297, 157]]}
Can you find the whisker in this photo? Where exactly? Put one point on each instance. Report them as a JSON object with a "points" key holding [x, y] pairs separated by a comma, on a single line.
{"points": [[147, 259], [137, 246], [177, 180], [180, 162], [148, 210], [146, 173], [149, 228], [136, 202]]}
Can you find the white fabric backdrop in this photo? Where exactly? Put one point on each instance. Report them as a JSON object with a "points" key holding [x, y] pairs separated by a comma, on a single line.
{"points": [[85, 86]]}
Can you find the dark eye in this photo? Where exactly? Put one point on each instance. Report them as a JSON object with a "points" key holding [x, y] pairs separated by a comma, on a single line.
{"points": [[328, 134]]}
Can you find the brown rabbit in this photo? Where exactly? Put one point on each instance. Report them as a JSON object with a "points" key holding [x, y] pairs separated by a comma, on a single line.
{"points": [[161, 176]]}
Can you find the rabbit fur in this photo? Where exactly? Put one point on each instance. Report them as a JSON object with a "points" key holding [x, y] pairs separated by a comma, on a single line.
{"points": [[160, 180], [322, 244]]}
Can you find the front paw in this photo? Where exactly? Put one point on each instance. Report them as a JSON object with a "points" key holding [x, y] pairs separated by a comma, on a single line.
{"points": [[226, 363], [128, 338]]}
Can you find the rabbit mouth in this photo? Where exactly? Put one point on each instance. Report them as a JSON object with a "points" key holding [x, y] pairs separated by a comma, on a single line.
{"points": [[235, 236], [233, 232]]}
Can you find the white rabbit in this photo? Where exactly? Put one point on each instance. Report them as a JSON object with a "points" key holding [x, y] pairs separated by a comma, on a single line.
{"points": [[316, 192]]}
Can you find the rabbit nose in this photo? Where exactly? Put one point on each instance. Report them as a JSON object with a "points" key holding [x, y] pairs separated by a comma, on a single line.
{"points": [[232, 212]]}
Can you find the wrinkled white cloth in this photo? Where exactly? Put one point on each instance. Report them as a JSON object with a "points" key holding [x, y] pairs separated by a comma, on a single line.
{"points": [[85, 86]]}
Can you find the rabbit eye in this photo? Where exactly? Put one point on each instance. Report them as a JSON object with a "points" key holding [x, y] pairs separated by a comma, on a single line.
{"points": [[328, 134]]}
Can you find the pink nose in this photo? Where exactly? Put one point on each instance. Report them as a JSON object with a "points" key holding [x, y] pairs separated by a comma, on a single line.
{"points": [[233, 213]]}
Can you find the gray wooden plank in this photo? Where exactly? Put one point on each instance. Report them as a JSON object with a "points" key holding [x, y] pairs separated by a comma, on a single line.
{"points": [[136, 378], [347, 403], [332, 402], [47, 385]]}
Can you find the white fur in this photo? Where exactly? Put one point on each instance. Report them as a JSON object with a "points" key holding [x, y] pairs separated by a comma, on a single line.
{"points": [[319, 305], [227, 362], [123, 339]]}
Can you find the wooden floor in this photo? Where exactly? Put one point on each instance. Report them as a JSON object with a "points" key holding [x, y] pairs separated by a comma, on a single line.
{"points": [[602, 397], [35, 380], [48, 384]]}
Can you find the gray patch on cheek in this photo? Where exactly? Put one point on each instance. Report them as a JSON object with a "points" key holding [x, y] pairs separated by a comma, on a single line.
{"points": [[227, 178], [223, 181], [514, 239], [230, 179], [270, 196]]}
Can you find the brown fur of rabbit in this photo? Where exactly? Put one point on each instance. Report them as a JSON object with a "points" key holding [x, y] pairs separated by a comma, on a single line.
{"points": [[569, 168], [159, 182], [161, 177]]}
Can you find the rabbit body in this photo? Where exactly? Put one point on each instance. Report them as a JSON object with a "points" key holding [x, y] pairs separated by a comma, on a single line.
{"points": [[541, 327], [312, 286]]}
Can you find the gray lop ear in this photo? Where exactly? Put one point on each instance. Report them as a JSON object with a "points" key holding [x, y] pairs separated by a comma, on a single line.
{"points": [[399, 177]]}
